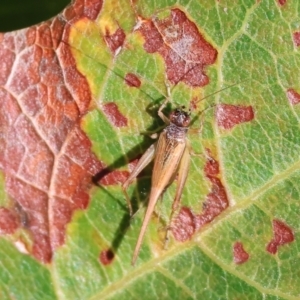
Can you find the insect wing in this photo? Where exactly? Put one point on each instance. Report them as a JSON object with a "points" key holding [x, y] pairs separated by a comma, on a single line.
{"points": [[183, 170], [143, 162], [167, 158]]}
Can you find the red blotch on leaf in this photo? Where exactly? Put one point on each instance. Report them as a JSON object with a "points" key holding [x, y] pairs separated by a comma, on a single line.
{"points": [[293, 96], [193, 103], [296, 38], [106, 257], [211, 167], [240, 255], [83, 9], [35, 203], [283, 234], [216, 200], [115, 41], [9, 221], [114, 177], [132, 80], [7, 58], [281, 2], [113, 114], [229, 116], [46, 158], [183, 226], [186, 222], [185, 51], [91, 8]]}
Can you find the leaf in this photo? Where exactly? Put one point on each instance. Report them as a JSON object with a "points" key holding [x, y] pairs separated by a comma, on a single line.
{"points": [[78, 93]]}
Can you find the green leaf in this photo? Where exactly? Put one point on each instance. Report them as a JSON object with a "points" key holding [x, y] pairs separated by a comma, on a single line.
{"points": [[235, 235]]}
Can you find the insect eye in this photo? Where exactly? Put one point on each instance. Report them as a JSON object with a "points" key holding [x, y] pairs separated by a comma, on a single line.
{"points": [[186, 122]]}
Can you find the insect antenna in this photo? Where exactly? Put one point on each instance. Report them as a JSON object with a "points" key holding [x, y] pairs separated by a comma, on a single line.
{"points": [[118, 71], [213, 105], [221, 90]]}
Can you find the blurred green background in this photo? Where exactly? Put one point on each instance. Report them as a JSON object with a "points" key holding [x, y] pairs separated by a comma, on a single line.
{"points": [[16, 14]]}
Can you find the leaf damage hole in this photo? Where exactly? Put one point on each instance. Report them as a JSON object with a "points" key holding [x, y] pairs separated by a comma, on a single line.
{"points": [[184, 49], [228, 115], [115, 41], [113, 114], [240, 255], [283, 234], [293, 96], [106, 257], [132, 80]]}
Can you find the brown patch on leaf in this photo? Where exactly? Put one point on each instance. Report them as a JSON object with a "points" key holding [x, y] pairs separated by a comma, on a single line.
{"points": [[184, 49], [293, 96], [211, 167], [183, 226], [229, 115], [281, 2], [116, 40], [35, 203], [240, 255], [193, 103], [132, 80], [186, 223], [296, 38], [283, 234], [132, 164], [83, 9], [106, 257], [9, 221], [91, 8], [113, 114], [7, 58], [114, 177], [217, 200], [46, 158]]}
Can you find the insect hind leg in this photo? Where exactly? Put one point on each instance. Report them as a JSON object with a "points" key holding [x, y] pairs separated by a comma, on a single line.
{"points": [[181, 180]]}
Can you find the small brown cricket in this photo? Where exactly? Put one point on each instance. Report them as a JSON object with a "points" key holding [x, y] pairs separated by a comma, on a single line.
{"points": [[171, 156]]}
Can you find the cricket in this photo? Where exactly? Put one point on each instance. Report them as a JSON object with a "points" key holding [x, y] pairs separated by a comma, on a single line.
{"points": [[171, 155]]}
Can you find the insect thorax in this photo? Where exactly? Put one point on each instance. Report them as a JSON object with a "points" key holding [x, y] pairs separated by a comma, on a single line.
{"points": [[175, 132]]}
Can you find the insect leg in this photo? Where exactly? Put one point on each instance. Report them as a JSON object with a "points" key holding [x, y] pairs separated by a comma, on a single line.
{"points": [[182, 176], [154, 195], [160, 113], [143, 162]]}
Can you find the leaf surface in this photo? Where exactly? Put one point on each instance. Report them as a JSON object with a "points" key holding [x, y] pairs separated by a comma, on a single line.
{"points": [[79, 93]]}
